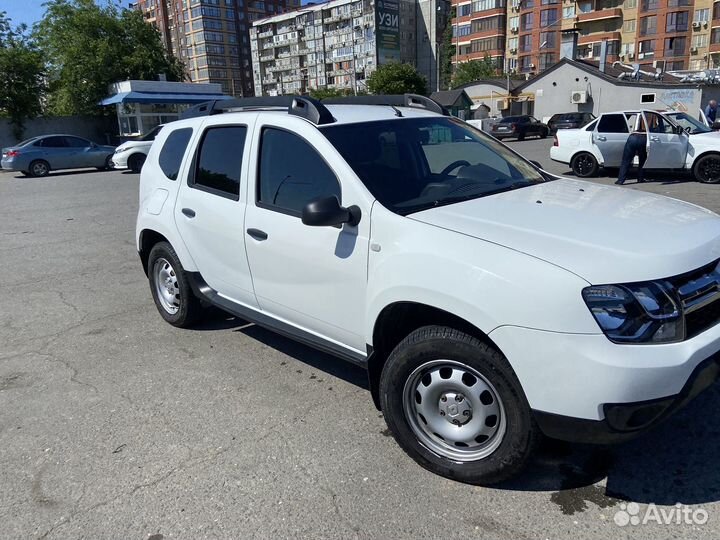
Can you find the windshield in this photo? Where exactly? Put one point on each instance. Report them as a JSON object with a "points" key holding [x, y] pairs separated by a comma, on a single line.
{"points": [[510, 119], [688, 123], [418, 163]]}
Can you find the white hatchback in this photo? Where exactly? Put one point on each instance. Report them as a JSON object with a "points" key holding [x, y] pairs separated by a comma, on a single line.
{"points": [[677, 142]]}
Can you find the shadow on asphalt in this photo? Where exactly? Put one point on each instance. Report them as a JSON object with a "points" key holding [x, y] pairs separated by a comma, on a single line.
{"points": [[651, 177], [677, 462]]}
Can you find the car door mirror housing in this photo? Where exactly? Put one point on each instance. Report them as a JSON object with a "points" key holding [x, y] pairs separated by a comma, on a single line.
{"points": [[327, 212]]}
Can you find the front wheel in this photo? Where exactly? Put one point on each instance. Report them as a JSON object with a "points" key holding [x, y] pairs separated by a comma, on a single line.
{"points": [[135, 162], [584, 165], [170, 287], [707, 169], [454, 404]]}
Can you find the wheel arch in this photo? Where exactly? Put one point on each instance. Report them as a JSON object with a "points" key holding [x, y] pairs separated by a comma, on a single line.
{"points": [[396, 321], [148, 238]]}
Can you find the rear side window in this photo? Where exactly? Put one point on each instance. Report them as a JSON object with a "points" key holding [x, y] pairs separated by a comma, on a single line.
{"points": [[219, 160], [613, 123], [292, 173], [53, 142], [173, 151]]}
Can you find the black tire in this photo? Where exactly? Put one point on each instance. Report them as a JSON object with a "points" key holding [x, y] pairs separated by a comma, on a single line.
{"points": [[521, 136], [188, 306], [707, 169], [39, 168], [584, 165], [108, 165], [437, 343], [135, 162]]}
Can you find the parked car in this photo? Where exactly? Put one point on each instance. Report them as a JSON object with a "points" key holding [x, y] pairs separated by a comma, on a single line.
{"points": [[670, 147], [569, 120], [131, 154], [488, 301], [40, 155], [519, 127]]}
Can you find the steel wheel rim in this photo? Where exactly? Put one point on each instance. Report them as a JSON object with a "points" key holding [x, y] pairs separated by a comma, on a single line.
{"points": [[710, 170], [454, 411], [166, 286], [39, 169]]}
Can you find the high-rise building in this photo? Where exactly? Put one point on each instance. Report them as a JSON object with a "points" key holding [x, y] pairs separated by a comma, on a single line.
{"points": [[338, 44], [211, 37], [670, 35]]}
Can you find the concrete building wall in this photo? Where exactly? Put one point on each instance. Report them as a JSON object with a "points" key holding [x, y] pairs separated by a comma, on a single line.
{"points": [[431, 20]]}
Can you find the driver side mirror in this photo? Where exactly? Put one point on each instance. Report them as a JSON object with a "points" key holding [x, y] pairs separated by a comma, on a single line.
{"points": [[326, 211]]}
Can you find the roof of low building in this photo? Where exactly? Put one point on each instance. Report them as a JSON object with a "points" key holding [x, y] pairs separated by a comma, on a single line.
{"points": [[499, 82], [451, 98]]}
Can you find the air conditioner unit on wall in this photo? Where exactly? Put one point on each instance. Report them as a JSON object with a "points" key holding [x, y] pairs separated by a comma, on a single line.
{"points": [[696, 24], [631, 56], [578, 96], [514, 29], [501, 104], [693, 49]]}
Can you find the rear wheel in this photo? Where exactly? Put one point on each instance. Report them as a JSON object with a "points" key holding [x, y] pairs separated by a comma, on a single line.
{"points": [[170, 287], [39, 168], [135, 162], [521, 136], [707, 169], [108, 165], [454, 404], [584, 165]]}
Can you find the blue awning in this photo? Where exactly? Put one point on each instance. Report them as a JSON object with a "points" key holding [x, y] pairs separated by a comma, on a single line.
{"points": [[157, 97]]}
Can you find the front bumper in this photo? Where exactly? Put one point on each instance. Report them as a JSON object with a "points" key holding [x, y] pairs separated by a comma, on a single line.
{"points": [[584, 387], [119, 160]]}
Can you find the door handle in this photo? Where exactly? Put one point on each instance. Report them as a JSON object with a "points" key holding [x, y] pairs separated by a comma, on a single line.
{"points": [[655, 139], [257, 234], [189, 212], [602, 138]]}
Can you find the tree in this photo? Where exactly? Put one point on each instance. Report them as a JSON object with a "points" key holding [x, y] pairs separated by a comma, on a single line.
{"points": [[447, 53], [90, 47], [22, 79], [474, 70], [324, 92], [396, 79]]}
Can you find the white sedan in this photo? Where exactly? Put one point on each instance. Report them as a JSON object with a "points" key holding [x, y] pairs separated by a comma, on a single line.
{"points": [[131, 154], [675, 141]]}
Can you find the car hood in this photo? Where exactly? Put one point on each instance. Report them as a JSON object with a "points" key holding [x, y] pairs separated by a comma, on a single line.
{"points": [[134, 144], [604, 234]]}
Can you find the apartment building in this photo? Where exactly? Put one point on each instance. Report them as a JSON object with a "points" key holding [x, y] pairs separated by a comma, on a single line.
{"points": [[672, 35], [211, 37], [338, 44]]}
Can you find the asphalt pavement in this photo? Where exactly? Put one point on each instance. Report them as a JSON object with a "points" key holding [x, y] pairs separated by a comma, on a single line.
{"points": [[114, 424]]}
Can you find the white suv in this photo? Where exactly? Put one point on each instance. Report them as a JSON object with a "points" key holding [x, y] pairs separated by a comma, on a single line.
{"points": [[675, 141], [489, 301]]}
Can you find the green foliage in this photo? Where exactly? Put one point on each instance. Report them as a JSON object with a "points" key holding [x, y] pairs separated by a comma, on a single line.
{"points": [[89, 47], [474, 70], [396, 79], [447, 53], [322, 93], [22, 79]]}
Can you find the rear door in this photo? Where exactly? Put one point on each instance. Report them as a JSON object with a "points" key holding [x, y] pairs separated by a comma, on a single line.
{"points": [[210, 208], [666, 148], [610, 135]]}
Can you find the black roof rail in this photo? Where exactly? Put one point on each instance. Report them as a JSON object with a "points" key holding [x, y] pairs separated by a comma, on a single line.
{"points": [[398, 100], [302, 106]]}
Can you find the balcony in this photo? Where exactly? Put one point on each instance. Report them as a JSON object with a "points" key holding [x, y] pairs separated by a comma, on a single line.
{"points": [[715, 47], [594, 38], [599, 15]]}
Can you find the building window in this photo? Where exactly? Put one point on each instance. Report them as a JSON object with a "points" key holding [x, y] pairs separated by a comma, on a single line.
{"points": [[514, 22], [697, 64], [526, 43], [647, 47], [628, 48], [629, 26], [677, 22], [513, 43], [702, 15], [525, 63], [585, 6], [648, 25], [568, 12], [699, 40], [678, 3], [630, 4], [511, 64], [526, 21], [715, 36], [548, 17], [716, 11], [675, 46], [547, 60], [649, 5], [548, 40], [465, 10]]}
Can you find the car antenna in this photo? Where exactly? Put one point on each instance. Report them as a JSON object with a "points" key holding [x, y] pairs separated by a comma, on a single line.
{"points": [[397, 111]]}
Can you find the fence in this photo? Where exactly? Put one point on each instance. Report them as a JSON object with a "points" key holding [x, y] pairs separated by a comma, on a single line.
{"points": [[99, 129]]}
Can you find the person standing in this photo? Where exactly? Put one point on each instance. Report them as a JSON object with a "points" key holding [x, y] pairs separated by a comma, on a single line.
{"points": [[636, 145], [711, 111]]}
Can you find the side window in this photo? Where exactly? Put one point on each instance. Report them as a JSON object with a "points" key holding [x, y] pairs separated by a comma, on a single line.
{"points": [[219, 160], [77, 142], [658, 124], [613, 123], [54, 142], [292, 173], [591, 126], [173, 151]]}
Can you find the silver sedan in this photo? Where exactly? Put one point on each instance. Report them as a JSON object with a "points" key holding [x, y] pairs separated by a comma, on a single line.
{"points": [[40, 155]]}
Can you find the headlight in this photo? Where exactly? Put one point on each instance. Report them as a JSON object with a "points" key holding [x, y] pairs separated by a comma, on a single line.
{"points": [[120, 149], [638, 312]]}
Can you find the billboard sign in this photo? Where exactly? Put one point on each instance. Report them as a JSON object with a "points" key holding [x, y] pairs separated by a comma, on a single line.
{"points": [[387, 31]]}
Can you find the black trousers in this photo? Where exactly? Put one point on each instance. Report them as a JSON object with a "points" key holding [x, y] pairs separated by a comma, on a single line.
{"points": [[636, 145]]}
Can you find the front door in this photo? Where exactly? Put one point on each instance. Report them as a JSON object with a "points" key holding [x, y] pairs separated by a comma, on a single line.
{"points": [[210, 208], [666, 148], [312, 277], [610, 135], [83, 153], [56, 152]]}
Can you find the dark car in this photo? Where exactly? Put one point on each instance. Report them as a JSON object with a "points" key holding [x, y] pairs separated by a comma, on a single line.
{"points": [[519, 127], [571, 120], [40, 155]]}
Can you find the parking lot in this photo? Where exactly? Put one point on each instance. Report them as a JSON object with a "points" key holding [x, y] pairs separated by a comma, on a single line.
{"points": [[114, 424]]}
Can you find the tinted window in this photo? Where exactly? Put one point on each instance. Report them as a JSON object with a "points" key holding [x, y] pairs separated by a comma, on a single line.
{"points": [[591, 126], [220, 159], [613, 123], [150, 135], [173, 151], [292, 173], [77, 142], [53, 142]]}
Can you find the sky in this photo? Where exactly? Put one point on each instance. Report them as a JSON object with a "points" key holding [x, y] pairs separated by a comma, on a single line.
{"points": [[31, 11]]}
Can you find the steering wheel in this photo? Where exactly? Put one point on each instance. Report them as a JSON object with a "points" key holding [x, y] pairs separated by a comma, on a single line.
{"points": [[454, 165]]}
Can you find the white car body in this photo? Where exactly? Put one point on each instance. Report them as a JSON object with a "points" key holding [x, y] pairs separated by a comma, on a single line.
{"points": [[513, 265], [132, 154], [678, 151]]}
